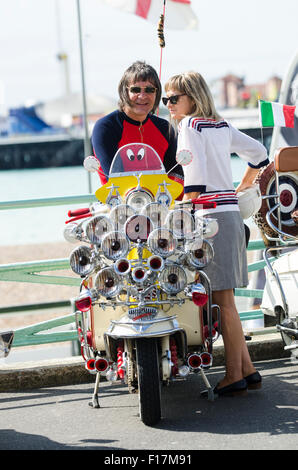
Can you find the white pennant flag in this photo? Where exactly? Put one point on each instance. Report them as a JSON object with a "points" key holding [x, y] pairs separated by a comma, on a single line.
{"points": [[178, 13]]}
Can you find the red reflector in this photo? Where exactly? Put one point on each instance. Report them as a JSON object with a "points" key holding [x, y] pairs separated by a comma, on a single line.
{"points": [[206, 359], [155, 263], [101, 365], [90, 364], [199, 299], [194, 361], [83, 304]]}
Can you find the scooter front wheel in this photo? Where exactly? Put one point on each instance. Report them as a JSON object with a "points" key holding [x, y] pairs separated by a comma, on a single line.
{"points": [[149, 380]]}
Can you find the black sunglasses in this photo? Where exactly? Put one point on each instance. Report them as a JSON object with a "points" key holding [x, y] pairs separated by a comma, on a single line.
{"points": [[138, 89], [172, 99]]}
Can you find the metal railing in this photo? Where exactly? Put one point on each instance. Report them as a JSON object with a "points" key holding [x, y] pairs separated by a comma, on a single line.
{"points": [[31, 272]]}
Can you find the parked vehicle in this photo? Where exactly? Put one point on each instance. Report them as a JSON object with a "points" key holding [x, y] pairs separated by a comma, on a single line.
{"points": [[278, 220], [144, 314]]}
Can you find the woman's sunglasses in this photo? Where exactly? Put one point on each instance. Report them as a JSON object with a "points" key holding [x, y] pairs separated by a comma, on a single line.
{"points": [[135, 90], [172, 99]]}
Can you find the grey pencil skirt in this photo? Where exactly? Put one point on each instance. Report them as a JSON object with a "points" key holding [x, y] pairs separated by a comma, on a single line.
{"points": [[228, 269]]}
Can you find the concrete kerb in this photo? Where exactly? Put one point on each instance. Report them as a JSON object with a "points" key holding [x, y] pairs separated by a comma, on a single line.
{"points": [[71, 371]]}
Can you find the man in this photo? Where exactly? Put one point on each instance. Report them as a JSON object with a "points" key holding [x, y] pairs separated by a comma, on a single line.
{"points": [[139, 92]]}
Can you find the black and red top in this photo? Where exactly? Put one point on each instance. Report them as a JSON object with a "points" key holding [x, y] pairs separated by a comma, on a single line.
{"points": [[116, 129]]}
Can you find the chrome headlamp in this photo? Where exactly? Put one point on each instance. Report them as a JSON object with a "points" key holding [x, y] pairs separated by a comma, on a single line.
{"points": [[199, 253], [97, 228], [72, 232], [119, 215], [206, 226], [138, 198], [138, 227], [180, 222], [162, 242], [81, 260], [173, 279], [115, 245], [108, 283], [157, 213]]}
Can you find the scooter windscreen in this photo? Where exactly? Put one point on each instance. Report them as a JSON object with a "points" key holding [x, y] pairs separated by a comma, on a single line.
{"points": [[136, 158]]}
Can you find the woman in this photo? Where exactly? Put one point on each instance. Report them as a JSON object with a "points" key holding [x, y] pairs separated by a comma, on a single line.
{"points": [[139, 92], [211, 140]]}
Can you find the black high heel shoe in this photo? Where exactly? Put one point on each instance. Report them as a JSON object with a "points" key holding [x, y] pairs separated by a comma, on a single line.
{"points": [[235, 389], [254, 381]]}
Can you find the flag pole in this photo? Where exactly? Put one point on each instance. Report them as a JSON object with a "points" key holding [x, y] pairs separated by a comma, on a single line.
{"points": [[161, 37], [260, 118]]}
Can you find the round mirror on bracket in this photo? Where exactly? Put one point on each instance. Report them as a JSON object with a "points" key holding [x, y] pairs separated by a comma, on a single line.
{"points": [[184, 157], [91, 163]]}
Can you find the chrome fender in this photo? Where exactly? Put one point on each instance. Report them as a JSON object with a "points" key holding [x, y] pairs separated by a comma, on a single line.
{"points": [[127, 327]]}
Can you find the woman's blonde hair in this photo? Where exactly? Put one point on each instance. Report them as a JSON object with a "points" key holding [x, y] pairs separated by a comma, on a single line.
{"points": [[195, 87]]}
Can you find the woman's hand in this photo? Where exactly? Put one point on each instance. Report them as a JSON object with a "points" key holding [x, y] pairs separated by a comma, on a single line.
{"points": [[242, 187], [248, 179]]}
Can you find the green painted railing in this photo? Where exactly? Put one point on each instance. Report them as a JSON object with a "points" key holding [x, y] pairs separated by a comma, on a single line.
{"points": [[31, 272]]}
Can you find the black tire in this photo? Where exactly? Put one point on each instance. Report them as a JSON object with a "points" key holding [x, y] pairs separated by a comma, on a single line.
{"points": [[149, 381]]}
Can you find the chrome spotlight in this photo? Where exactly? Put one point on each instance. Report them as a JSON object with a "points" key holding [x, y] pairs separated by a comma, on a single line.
{"points": [[206, 226], [97, 228], [108, 283], [180, 222], [173, 279], [138, 227], [115, 245], [138, 198], [199, 253], [71, 232], [119, 215], [156, 212], [81, 260], [162, 242]]}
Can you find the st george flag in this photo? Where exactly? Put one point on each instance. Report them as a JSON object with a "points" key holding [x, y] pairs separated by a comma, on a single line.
{"points": [[276, 114], [178, 13]]}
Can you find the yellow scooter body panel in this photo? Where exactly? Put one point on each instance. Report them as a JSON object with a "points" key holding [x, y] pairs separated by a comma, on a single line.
{"points": [[151, 182]]}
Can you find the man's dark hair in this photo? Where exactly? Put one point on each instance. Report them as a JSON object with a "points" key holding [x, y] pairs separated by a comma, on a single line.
{"points": [[138, 71]]}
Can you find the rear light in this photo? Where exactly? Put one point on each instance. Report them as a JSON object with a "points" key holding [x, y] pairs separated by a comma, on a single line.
{"points": [[101, 365], [199, 295], [90, 366], [206, 332], [83, 303], [199, 361], [194, 361], [206, 359]]}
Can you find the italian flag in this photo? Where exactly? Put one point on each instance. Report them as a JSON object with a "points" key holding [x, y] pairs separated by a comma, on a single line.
{"points": [[276, 114]]}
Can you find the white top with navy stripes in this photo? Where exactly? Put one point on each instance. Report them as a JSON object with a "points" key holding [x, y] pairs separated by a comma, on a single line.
{"points": [[211, 144]]}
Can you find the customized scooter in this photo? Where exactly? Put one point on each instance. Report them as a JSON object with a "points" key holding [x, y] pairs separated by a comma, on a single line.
{"points": [[144, 314]]}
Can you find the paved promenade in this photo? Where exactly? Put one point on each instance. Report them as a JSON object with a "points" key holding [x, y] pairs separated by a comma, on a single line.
{"points": [[45, 406], [59, 418]]}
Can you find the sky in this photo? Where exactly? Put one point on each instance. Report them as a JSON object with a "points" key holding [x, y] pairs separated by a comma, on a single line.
{"points": [[255, 39]]}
